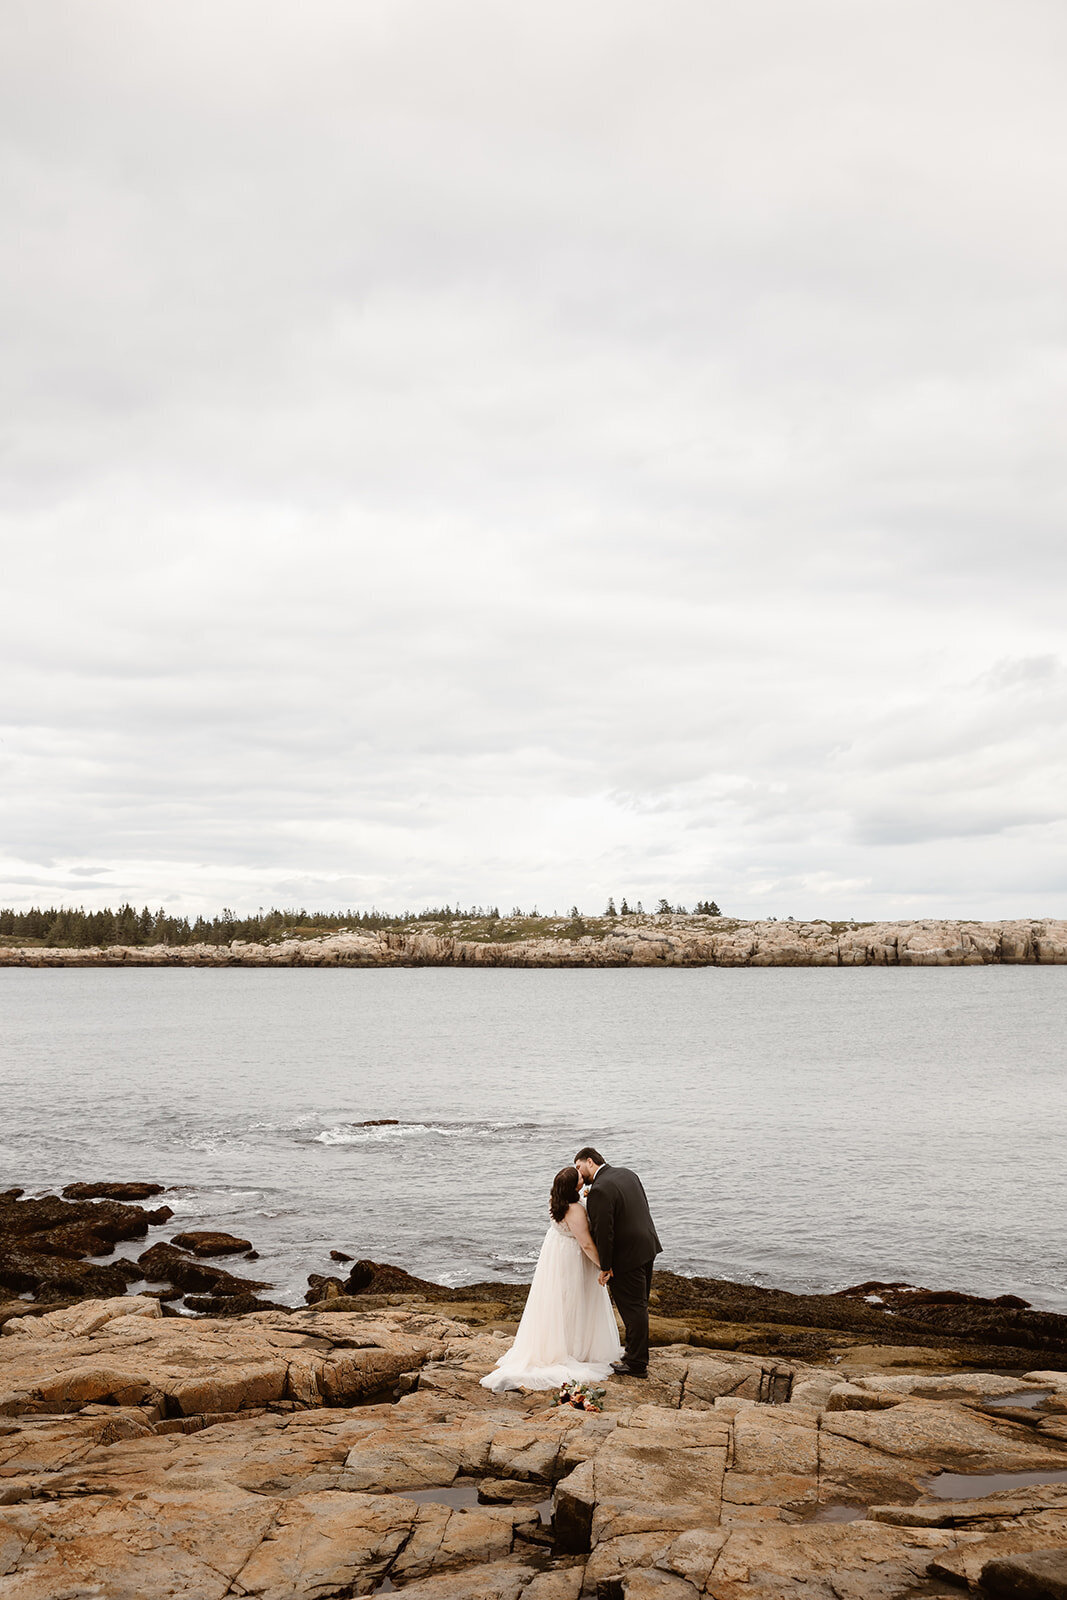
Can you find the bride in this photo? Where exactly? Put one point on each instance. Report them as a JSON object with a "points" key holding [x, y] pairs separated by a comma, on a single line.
{"points": [[568, 1330]]}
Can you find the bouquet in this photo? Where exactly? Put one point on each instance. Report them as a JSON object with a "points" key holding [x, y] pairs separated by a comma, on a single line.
{"points": [[582, 1396]]}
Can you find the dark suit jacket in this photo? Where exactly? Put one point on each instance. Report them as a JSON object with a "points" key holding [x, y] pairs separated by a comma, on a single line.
{"points": [[620, 1221]]}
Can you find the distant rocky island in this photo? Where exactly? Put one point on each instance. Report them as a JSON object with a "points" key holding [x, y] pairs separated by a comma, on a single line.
{"points": [[675, 940]]}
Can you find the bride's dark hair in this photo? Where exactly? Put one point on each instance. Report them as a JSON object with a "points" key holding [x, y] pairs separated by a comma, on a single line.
{"points": [[564, 1192]]}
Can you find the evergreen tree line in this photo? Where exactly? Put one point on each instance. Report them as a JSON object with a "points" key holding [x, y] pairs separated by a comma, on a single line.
{"points": [[72, 927], [75, 928], [702, 908]]}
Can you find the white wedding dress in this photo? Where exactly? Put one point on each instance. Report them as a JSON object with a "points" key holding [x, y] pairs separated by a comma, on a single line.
{"points": [[568, 1330]]}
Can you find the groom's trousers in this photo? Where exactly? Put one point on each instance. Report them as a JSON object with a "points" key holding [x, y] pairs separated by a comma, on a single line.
{"points": [[630, 1291]]}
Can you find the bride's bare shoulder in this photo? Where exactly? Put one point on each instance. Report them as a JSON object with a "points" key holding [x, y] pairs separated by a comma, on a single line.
{"points": [[576, 1219]]}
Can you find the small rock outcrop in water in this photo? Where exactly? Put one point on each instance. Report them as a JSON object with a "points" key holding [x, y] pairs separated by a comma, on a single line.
{"points": [[44, 1244], [377, 1277], [321, 1288], [204, 1242], [111, 1191], [674, 941], [278, 1455], [164, 1263], [368, 1277]]}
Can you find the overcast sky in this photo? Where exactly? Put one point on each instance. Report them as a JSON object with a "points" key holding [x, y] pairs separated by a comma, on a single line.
{"points": [[525, 453]]}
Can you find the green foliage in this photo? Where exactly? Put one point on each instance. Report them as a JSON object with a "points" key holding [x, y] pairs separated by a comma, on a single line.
{"points": [[69, 927], [72, 927]]}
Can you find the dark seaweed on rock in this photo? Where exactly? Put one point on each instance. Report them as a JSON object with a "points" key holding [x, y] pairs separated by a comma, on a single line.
{"points": [[44, 1243], [163, 1263], [229, 1305], [111, 1191], [207, 1242], [372, 1277], [909, 1296], [924, 1317]]}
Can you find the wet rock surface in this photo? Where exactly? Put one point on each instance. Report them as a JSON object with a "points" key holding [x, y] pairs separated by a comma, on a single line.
{"points": [[205, 1242], [276, 1454], [1004, 1324], [166, 1263], [229, 1305], [50, 1249], [48, 1245], [111, 1191], [369, 1277]]}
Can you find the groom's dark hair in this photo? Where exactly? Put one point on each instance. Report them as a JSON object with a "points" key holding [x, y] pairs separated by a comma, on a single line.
{"points": [[587, 1153]]}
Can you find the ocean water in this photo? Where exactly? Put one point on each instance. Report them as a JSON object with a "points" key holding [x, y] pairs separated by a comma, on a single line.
{"points": [[807, 1129]]}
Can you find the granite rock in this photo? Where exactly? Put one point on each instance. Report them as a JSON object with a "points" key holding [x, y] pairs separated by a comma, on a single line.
{"points": [[148, 1456], [639, 941]]}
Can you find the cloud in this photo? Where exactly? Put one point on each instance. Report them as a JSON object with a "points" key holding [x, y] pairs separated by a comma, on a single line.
{"points": [[452, 453]]}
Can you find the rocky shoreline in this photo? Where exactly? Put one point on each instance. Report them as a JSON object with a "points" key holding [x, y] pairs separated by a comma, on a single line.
{"points": [[884, 1443], [56, 1250], [668, 941]]}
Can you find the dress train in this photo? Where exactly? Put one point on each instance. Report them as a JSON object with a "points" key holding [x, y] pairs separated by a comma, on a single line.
{"points": [[568, 1331]]}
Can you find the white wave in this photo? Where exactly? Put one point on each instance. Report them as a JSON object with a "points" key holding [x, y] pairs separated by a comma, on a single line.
{"points": [[361, 1133], [188, 1201], [346, 1134], [274, 1125], [221, 1144]]}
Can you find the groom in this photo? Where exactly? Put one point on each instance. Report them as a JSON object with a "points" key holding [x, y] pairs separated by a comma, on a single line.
{"points": [[627, 1244]]}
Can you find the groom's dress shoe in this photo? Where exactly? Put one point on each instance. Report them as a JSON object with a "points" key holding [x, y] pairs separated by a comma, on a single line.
{"points": [[623, 1369]]}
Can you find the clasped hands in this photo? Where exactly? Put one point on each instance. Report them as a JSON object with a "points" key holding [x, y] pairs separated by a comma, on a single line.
{"points": [[602, 1277]]}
